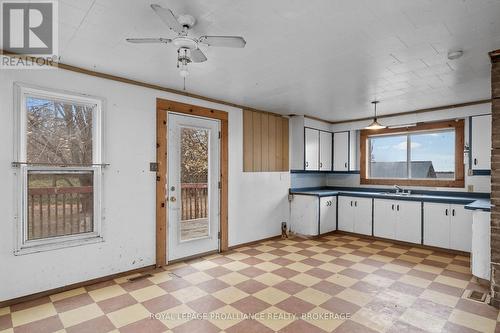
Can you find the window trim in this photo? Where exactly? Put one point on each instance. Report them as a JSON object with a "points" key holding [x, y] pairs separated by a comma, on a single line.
{"points": [[457, 125], [22, 244]]}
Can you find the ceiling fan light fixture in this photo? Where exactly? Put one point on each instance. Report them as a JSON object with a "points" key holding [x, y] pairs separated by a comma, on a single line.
{"points": [[183, 70], [375, 125]]}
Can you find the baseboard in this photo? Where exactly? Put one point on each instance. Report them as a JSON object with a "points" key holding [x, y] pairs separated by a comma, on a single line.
{"points": [[74, 286], [253, 242], [153, 267], [116, 275], [421, 246], [196, 256]]}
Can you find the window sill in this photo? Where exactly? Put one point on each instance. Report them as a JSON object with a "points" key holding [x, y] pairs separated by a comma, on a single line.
{"points": [[459, 183], [59, 244]]}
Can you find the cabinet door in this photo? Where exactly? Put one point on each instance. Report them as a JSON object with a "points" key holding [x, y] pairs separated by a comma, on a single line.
{"points": [[437, 224], [460, 228], [311, 149], [481, 142], [409, 221], [363, 216], [384, 218], [327, 215], [325, 151], [304, 215], [346, 213], [341, 151]]}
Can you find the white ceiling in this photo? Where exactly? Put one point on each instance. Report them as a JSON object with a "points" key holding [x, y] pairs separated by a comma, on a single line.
{"points": [[324, 58]]}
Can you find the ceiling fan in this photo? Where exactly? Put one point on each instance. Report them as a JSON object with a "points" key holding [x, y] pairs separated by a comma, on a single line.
{"points": [[187, 47]]}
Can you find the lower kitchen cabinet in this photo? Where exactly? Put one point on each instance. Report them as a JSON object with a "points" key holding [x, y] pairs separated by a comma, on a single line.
{"points": [[397, 219], [310, 212], [409, 221], [460, 228], [355, 215], [304, 215], [384, 219], [327, 214], [447, 226]]}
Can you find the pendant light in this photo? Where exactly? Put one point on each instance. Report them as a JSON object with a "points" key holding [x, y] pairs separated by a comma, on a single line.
{"points": [[375, 125]]}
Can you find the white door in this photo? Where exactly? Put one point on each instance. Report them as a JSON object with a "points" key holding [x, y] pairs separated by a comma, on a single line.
{"points": [[384, 219], [192, 185], [325, 153], [311, 149], [363, 216], [409, 221], [481, 142], [437, 224], [341, 151], [327, 217], [460, 228], [304, 215], [346, 213]]}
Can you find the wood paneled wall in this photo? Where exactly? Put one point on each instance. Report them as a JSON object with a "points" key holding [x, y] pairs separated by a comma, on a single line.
{"points": [[265, 142]]}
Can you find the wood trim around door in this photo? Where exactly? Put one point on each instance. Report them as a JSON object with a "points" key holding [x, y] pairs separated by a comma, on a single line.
{"points": [[163, 106]]}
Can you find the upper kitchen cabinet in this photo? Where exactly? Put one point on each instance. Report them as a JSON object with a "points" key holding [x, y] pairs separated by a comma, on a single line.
{"points": [[317, 150], [325, 151], [480, 137], [311, 147], [341, 151]]}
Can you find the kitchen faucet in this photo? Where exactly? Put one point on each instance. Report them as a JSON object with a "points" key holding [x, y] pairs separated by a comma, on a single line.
{"points": [[399, 190]]}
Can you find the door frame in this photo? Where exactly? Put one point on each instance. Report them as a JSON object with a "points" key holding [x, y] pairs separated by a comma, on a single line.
{"points": [[163, 106]]}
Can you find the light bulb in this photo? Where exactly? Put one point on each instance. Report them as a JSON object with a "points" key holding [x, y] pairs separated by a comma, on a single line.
{"points": [[183, 71]]}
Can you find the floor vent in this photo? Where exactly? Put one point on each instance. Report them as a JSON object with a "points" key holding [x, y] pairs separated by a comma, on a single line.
{"points": [[172, 274], [140, 277], [476, 295]]}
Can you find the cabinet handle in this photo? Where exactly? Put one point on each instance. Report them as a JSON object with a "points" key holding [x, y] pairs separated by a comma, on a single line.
{"points": [[475, 161], [446, 212], [307, 164], [453, 212], [355, 204], [345, 164], [392, 206], [398, 208], [351, 203], [320, 164]]}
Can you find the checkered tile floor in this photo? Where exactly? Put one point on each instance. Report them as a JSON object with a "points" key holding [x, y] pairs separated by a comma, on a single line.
{"points": [[337, 283]]}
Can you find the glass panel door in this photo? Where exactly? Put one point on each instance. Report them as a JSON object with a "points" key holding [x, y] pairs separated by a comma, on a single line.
{"points": [[192, 185]]}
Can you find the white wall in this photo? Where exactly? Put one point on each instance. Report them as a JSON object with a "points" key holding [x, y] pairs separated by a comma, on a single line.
{"points": [[257, 201]]}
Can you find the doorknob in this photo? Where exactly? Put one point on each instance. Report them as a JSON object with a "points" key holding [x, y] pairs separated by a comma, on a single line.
{"points": [[172, 199]]}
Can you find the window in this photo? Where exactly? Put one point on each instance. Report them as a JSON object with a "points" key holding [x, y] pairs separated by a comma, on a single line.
{"points": [[59, 160], [423, 155]]}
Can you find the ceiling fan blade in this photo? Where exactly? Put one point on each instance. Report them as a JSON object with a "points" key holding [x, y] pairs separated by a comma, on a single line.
{"points": [[148, 40], [198, 56], [167, 17], [223, 41]]}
